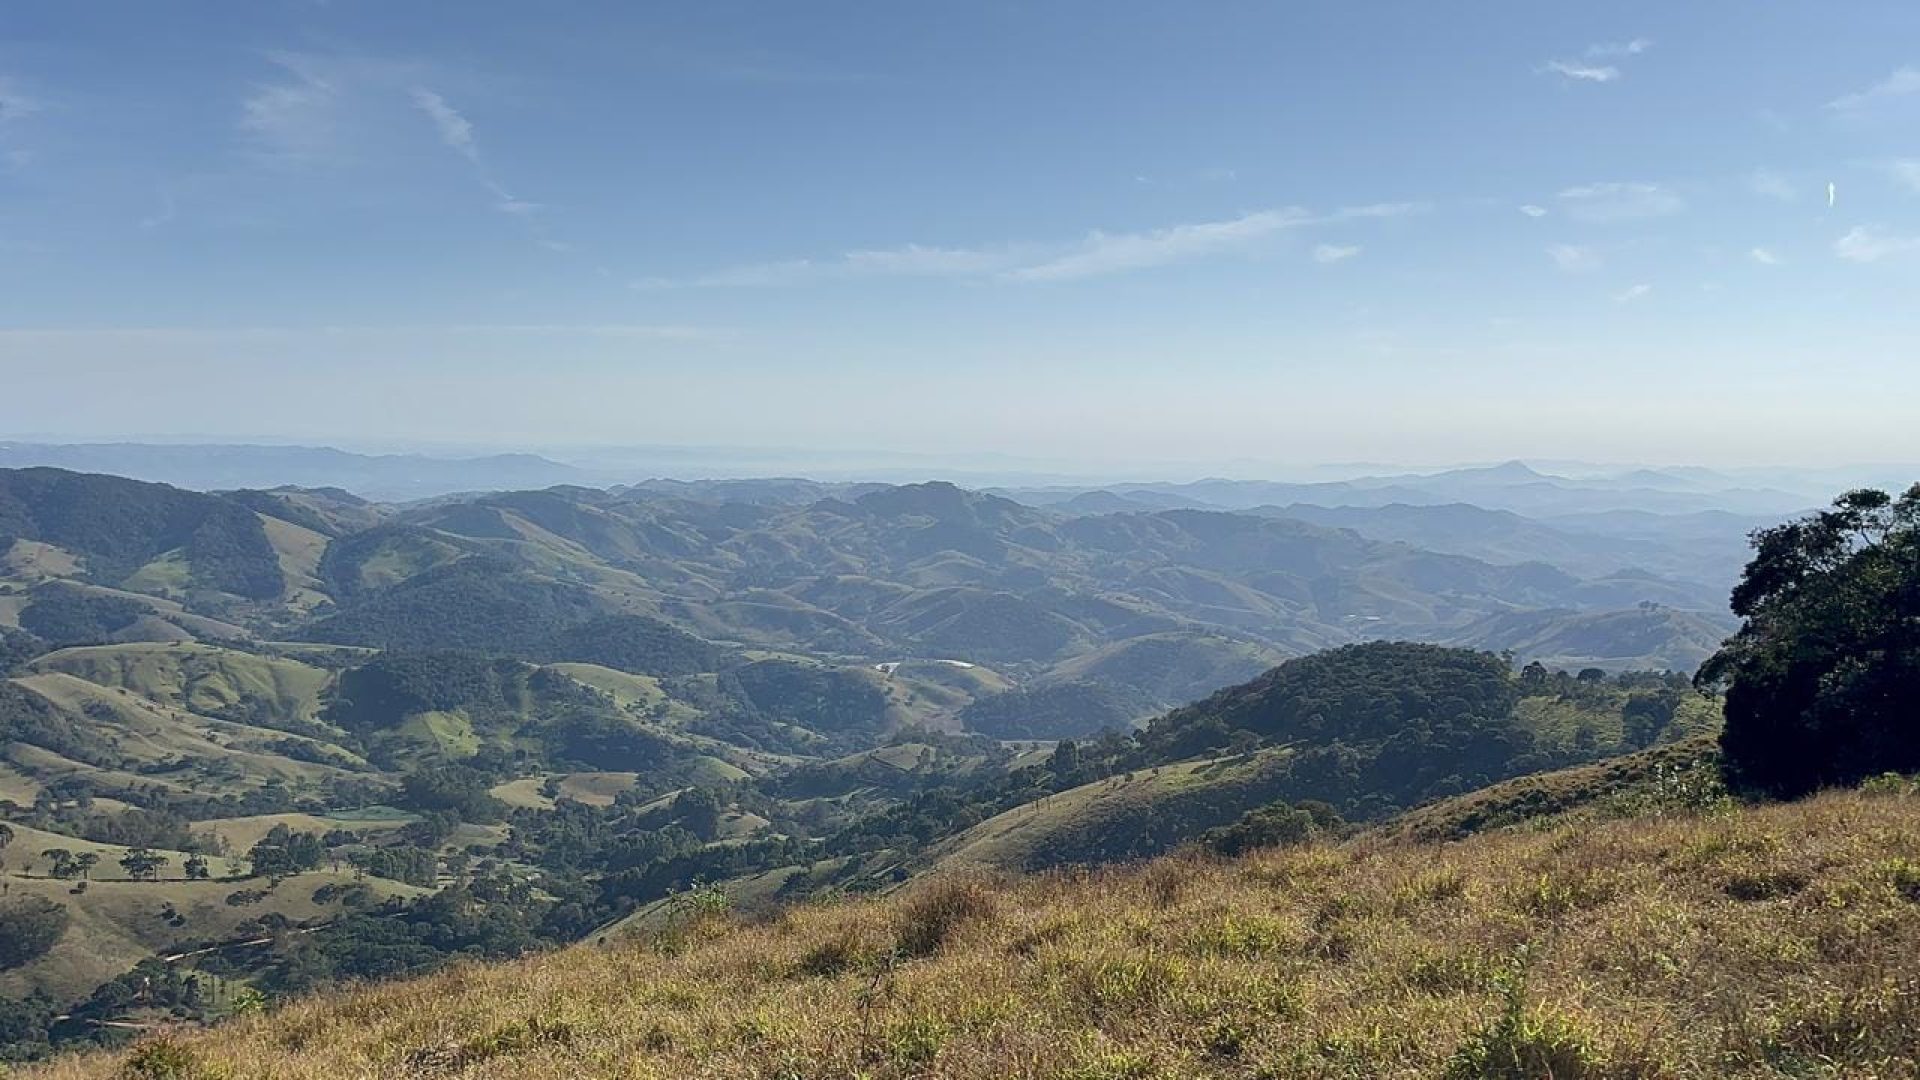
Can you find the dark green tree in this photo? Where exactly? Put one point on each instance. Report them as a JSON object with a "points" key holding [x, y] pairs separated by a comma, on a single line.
{"points": [[1823, 677], [143, 864], [60, 863]]}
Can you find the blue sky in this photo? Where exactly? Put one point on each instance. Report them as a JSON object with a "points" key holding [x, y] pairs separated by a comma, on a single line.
{"points": [[1112, 231]]}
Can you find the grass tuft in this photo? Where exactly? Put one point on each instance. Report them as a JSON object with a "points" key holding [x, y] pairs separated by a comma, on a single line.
{"points": [[936, 912]]}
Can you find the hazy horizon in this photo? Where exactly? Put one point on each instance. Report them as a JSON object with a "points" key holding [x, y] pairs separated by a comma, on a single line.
{"points": [[616, 464]]}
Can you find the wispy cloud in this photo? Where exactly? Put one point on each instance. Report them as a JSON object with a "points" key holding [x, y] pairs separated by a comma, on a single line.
{"points": [[1098, 254], [913, 260], [1903, 83], [456, 133], [1906, 173], [1112, 253], [1872, 243], [1772, 185], [1765, 257], [1333, 253], [1632, 293], [1620, 48], [1589, 69], [1533, 211], [294, 120], [1577, 71], [1607, 202], [324, 110], [1574, 258], [454, 129]]}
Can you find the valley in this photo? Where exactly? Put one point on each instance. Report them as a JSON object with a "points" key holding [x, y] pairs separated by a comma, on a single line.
{"points": [[290, 736]]}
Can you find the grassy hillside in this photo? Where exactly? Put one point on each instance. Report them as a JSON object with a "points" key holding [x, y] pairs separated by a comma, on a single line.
{"points": [[1137, 813], [1778, 941], [202, 679], [115, 924]]}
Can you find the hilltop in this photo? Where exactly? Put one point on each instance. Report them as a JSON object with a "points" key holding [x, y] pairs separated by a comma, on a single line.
{"points": [[1697, 942]]}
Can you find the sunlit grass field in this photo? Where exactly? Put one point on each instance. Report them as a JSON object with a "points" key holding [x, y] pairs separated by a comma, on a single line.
{"points": [[1715, 941]]}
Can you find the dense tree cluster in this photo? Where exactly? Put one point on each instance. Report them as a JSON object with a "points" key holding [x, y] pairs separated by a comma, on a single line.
{"points": [[630, 643], [1071, 710], [283, 851], [119, 525], [479, 604], [1822, 679], [835, 702]]}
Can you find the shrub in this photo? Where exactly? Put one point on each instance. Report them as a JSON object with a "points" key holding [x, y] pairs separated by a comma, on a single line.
{"points": [[1525, 1043], [935, 913], [162, 1059]]}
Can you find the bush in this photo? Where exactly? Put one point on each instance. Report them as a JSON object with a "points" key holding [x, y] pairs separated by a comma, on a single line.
{"points": [[1278, 825], [162, 1059], [28, 928], [935, 913]]}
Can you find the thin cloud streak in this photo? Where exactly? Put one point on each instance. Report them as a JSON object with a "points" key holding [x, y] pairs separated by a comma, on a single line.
{"points": [[1614, 201], [1098, 254], [457, 134], [1579, 72], [454, 129], [294, 121], [1620, 48]]}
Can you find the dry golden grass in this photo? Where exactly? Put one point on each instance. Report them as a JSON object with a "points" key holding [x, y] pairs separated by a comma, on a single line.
{"points": [[1779, 941]]}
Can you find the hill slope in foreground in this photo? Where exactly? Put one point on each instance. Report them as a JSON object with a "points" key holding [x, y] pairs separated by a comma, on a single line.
{"points": [[1775, 941]]}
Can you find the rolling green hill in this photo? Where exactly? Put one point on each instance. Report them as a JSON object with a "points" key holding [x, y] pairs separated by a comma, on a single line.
{"points": [[1185, 600], [1751, 943], [529, 716]]}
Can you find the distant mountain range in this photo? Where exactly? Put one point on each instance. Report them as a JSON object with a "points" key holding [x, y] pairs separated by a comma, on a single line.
{"points": [[1535, 488], [213, 467], [1514, 486], [864, 573]]}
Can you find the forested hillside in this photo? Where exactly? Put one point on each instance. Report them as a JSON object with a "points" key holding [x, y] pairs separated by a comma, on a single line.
{"points": [[374, 738]]}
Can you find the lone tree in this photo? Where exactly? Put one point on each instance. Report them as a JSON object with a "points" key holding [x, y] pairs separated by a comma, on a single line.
{"points": [[1823, 677]]}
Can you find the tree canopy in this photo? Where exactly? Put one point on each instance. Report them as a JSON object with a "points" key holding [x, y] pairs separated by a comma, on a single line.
{"points": [[1823, 678]]}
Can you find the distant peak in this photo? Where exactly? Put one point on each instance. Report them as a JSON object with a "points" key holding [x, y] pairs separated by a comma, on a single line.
{"points": [[1517, 469]]}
